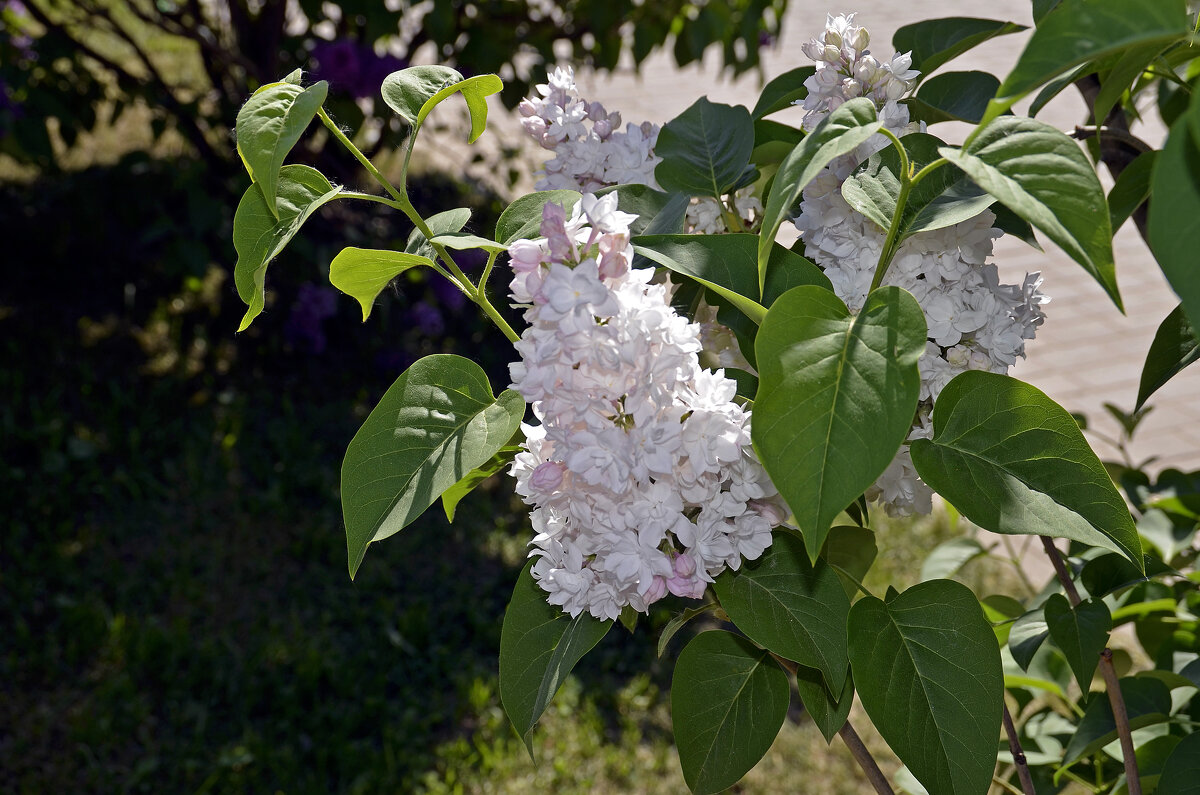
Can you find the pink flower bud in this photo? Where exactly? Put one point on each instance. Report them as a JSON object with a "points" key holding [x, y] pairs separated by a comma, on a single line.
{"points": [[684, 565], [526, 256], [656, 591], [527, 108], [547, 477]]}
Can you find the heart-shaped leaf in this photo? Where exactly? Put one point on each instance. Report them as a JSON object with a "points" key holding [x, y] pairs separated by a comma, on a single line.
{"points": [[1175, 346], [475, 91], [269, 125], [795, 608], [407, 90], [434, 425], [838, 133], [953, 96], [1014, 461], [1181, 771], [927, 669], [1043, 176], [362, 273], [836, 397], [705, 150], [933, 42], [1081, 632], [539, 645], [728, 701], [260, 234]]}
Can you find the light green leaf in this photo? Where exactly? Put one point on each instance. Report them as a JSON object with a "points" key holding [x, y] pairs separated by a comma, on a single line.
{"points": [[953, 96], [728, 701], [943, 198], [444, 223], [1175, 346], [362, 273], [452, 496], [1181, 772], [407, 90], [1081, 632], [782, 92], [522, 219], [1042, 175], [933, 42], [1083, 30], [434, 425], [928, 672], [1014, 461], [475, 91], [464, 240], [838, 133], [269, 125], [836, 397], [1131, 189], [260, 234], [949, 556], [539, 645], [1175, 219], [1147, 701], [705, 150], [827, 712], [795, 608]]}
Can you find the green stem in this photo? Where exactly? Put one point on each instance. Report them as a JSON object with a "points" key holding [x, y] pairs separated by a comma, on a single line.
{"points": [[369, 197], [360, 157], [906, 183]]}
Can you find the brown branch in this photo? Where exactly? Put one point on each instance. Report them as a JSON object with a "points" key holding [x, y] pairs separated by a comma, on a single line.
{"points": [[1018, 754], [865, 760]]}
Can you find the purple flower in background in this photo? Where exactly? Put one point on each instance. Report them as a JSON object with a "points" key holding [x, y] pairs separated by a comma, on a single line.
{"points": [[353, 67], [448, 296], [427, 318], [305, 325]]}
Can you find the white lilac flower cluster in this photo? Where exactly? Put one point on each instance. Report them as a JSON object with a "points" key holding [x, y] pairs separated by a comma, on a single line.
{"points": [[975, 322], [705, 215], [641, 474], [590, 151]]}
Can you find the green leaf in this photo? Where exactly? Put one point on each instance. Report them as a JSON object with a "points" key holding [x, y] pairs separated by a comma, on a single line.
{"points": [[464, 240], [836, 397], [838, 133], [953, 96], [828, 713], [1026, 637], [1042, 175], [1175, 346], [539, 645], [444, 223], [362, 273], [1002, 612], [434, 425], [773, 142], [949, 556], [260, 234], [1127, 68], [850, 550], [1131, 189], [728, 701], [452, 496], [475, 91], [269, 125], [1105, 574], [1175, 221], [522, 220], [1014, 461], [1147, 701], [943, 198], [678, 622], [933, 42], [1083, 30], [1010, 223], [782, 92], [928, 672], [646, 203], [705, 150], [790, 606], [407, 90], [1181, 772], [1081, 632]]}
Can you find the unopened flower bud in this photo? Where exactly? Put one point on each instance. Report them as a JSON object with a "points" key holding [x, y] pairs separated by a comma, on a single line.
{"points": [[527, 108], [860, 39], [547, 477]]}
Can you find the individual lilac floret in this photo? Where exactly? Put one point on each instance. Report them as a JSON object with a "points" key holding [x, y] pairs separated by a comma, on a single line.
{"points": [[641, 474]]}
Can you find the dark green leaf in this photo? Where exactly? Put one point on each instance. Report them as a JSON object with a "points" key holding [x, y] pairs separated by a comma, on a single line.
{"points": [[791, 606], [1147, 701], [1109, 573], [829, 714], [773, 142], [1127, 67], [705, 150], [644, 202], [269, 125], [1081, 632], [434, 425], [1181, 772], [539, 645], [522, 220], [260, 234], [928, 672], [1131, 189], [678, 622], [407, 90], [949, 556], [782, 92], [838, 133], [728, 701], [452, 496], [363, 272], [1175, 218], [1014, 461], [1083, 30], [850, 550], [953, 96], [1041, 174], [933, 42], [1175, 346], [825, 377], [1026, 637], [1010, 223]]}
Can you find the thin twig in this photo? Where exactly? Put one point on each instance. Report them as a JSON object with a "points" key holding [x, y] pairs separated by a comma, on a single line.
{"points": [[865, 760], [1060, 568], [1018, 754]]}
